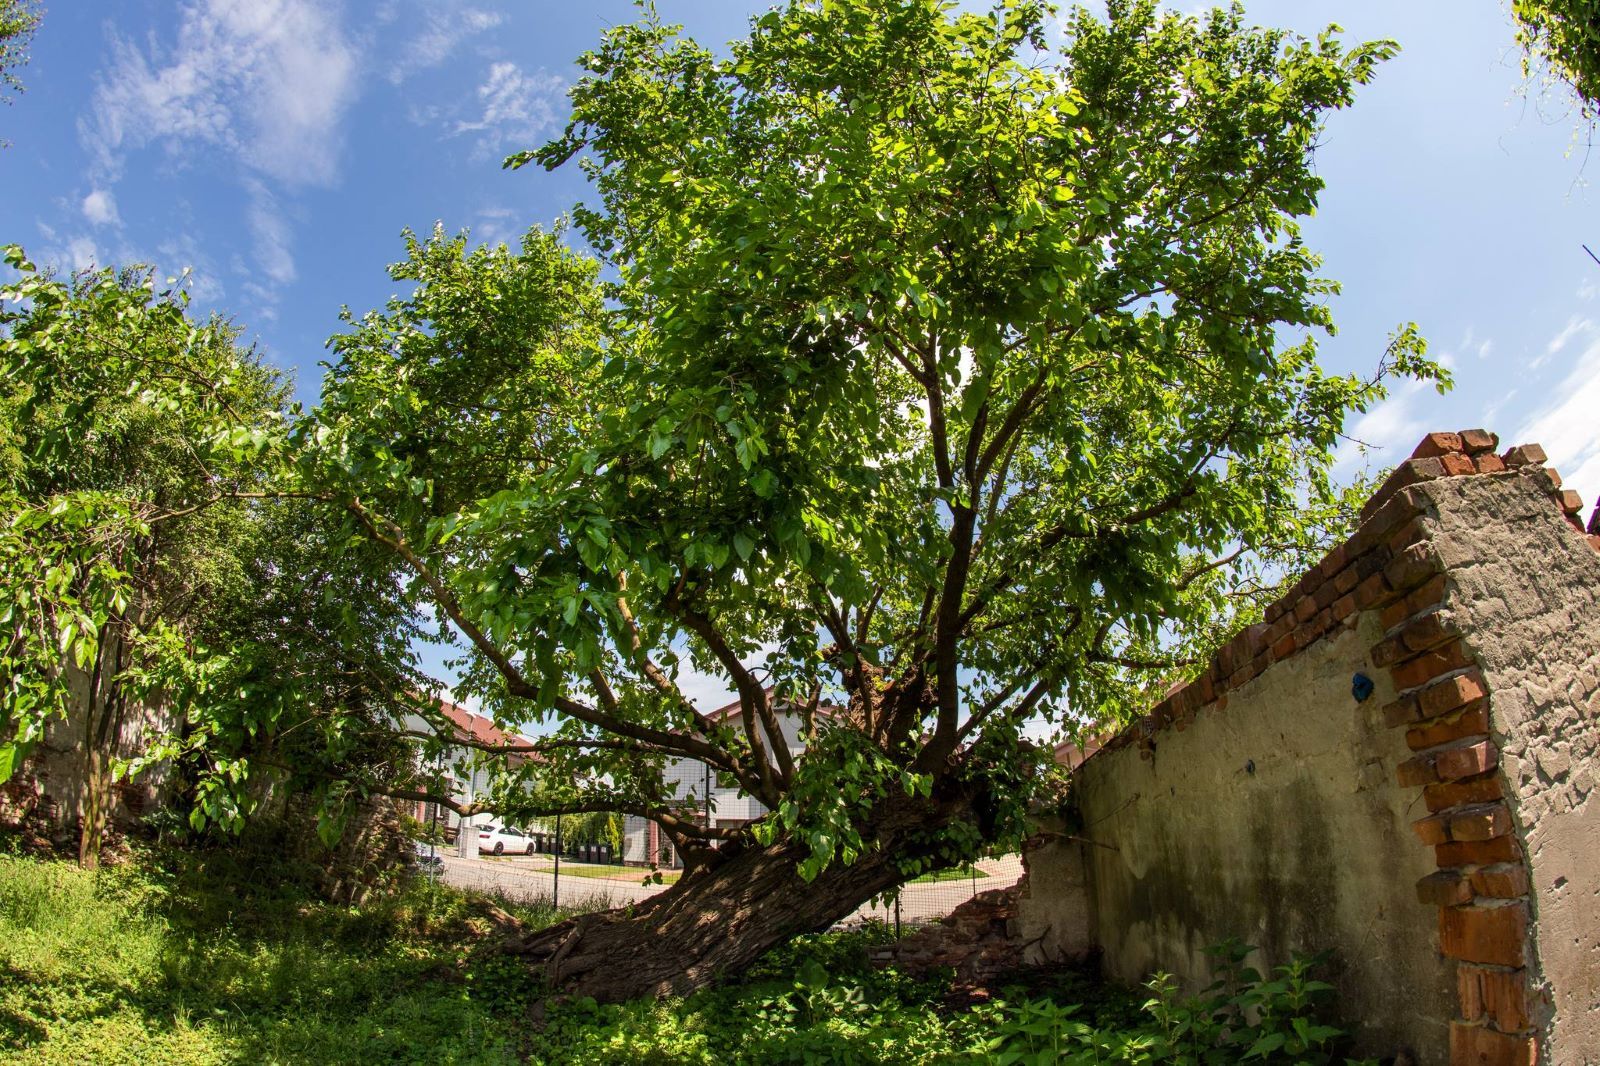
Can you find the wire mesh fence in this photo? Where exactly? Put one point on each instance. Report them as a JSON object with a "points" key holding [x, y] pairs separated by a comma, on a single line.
{"points": [[925, 900]]}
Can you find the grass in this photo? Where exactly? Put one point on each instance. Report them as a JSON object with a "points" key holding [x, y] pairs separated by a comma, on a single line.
{"points": [[955, 873], [197, 959], [631, 874], [214, 957]]}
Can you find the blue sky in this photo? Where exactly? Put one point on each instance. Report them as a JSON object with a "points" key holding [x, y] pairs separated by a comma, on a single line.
{"points": [[278, 147]]}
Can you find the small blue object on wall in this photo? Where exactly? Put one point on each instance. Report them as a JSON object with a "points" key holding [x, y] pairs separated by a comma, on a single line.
{"points": [[1361, 687]]}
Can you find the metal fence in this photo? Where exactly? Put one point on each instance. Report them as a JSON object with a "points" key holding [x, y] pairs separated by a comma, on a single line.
{"points": [[925, 900]]}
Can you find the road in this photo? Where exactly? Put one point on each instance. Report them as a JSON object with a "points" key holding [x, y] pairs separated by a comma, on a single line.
{"points": [[525, 879]]}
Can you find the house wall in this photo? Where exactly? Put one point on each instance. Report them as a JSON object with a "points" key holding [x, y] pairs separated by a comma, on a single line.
{"points": [[1439, 837]]}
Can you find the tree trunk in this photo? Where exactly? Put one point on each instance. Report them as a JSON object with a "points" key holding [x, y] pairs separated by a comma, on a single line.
{"points": [[720, 917]]}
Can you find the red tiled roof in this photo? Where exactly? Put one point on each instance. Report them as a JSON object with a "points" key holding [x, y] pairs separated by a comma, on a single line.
{"points": [[478, 729]]}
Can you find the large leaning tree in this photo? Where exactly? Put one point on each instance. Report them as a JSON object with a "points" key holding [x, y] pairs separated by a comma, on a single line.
{"points": [[952, 371]]}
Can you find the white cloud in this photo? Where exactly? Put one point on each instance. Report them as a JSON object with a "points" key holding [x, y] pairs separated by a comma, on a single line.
{"points": [[265, 81], [517, 108], [1567, 427], [270, 231], [496, 225], [444, 30], [1576, 325], [1392, 426], [100, 208]]}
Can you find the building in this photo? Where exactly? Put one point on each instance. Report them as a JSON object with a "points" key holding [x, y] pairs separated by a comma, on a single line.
{"points": [[466, 772], [693, 781]]}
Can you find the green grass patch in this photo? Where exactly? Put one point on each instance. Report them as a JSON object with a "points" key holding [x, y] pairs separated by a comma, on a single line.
{"points": [[186, 958], [208, 957], [955, 873], [632, 875]]}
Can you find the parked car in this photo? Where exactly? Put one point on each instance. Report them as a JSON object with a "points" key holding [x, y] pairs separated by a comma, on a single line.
{"points": [[501, 839]]}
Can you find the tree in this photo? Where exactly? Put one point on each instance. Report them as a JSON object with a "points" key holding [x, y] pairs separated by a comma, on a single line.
{"points": [[18, 20], [923, 367], [1564, 37], [146, 565]]}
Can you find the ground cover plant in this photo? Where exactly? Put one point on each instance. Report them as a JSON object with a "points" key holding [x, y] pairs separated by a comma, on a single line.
{"points": [[210, 957], [222, 956]]}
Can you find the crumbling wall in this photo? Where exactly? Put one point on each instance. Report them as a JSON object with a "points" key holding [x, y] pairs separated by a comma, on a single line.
{"points": [[1397, 766]]}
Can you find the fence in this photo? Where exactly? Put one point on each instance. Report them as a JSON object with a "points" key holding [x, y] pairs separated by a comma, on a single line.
{"points": [[925, 900]]}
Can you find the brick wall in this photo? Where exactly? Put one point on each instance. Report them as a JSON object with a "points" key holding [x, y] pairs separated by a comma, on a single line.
{"points": [[1440, 835]]}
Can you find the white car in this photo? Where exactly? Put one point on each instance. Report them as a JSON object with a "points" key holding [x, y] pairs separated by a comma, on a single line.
{"points": [[501, 839]]}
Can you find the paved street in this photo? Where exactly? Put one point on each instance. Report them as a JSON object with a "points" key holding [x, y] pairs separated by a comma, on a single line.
{"points": [[530, 878]]}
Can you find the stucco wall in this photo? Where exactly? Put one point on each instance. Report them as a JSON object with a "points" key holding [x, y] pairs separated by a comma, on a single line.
{"points": [[1525, 592], [1274, 820], [1441, 837]]}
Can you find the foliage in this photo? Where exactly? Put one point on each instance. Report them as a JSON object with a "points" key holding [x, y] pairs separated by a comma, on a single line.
{"points": [[222, 955], [148, 560], [818, 1001], [1563, 36], [925, 366], [18, 21], [225, 954]]}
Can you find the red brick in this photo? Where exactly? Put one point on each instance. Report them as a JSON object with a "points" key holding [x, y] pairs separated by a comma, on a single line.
{"points": [[1434, 829], [1372, 592], [1334, 561], [1471, 721], [1407, 535], [1275, 632], [1574, 521], [1418, 770], [1275, 610], [1308, 633], [1381, 513], [1497, 935], [1499, 996], [1474, 441], [1475, 1045], [1448, 694], [1304, 608], [1402, 711], [1326, 593], [1469, 760], [1525, 455], [1594, 541], [1416, 601], [1488, 463], [1485, 789], [1456, 465], [1484, 822], [1477, 852], [1428, 630], [1438, 444], [1571, 502], [1547, 478], [1504, 881], [1411, 568], [1444, 888], [1343, 607], [1346, 580], [1284, 648], [1430, 664]]}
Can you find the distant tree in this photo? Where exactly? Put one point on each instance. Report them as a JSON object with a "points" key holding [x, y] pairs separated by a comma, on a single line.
{"points": [[142, 560], [1563, 37], [930, 365]]}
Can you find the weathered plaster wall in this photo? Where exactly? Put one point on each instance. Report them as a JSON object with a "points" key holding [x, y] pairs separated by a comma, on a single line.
{"points": [[1440, 837], [1274, 820], [1525, 594]]}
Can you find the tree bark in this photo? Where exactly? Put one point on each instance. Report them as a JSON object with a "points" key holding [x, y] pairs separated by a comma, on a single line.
{"points": [[722, 915]]}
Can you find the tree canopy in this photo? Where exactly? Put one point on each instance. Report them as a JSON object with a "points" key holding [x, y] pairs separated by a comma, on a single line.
{"points": [[1563, 36], [920, 363]]}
